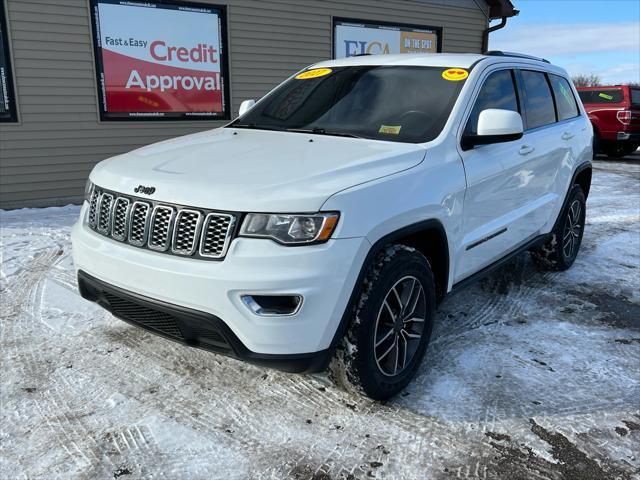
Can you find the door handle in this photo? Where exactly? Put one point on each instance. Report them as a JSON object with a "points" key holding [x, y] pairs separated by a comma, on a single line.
{"points": [[567, 136], [526, 150]]}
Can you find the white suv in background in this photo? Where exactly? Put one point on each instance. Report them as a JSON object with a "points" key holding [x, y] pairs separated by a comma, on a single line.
{"points": [[323, 226]]}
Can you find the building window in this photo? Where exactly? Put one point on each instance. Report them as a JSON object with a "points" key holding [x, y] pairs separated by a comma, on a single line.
{"points": [[361, 37], [7, 93], [160, 60]]}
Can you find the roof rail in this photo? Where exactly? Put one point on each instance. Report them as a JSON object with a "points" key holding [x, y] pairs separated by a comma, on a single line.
{"points": [[499, 53]]}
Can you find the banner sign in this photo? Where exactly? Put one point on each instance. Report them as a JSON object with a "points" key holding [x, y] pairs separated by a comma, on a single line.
{"points": [[7, 96], [361, 37], [160, 60]]}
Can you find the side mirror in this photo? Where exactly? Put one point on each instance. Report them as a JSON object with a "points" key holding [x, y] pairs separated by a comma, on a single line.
{"points": [[246, 106], [495, 126]]}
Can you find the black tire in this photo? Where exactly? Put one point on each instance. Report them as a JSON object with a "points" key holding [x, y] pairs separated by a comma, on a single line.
{"points": [[621, 149], [560, 251], [360, 366], [596, 143]]}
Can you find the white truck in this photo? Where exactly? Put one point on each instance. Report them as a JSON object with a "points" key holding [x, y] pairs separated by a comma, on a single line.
{"points": [[322, 227]]}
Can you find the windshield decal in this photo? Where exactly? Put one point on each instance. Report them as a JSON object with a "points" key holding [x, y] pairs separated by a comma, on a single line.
{"points": [[315, 73], [390, 129], [605, 96], [455, 74]]}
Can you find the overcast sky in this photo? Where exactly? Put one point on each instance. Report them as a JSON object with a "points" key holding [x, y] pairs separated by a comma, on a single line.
{"points": [[583, 36]]}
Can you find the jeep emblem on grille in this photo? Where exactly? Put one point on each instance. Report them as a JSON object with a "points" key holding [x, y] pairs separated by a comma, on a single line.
{"points": [[145, 190]]}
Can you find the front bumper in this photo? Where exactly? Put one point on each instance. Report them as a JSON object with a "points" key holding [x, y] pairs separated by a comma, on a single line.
{"points": [[190, 327], [324, 275]]}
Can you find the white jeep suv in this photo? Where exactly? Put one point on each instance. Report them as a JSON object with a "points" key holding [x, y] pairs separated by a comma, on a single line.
{"points": [[322, 227]]}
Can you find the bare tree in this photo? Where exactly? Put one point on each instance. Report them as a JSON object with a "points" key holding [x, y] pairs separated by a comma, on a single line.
{"points": [[583, 80]]}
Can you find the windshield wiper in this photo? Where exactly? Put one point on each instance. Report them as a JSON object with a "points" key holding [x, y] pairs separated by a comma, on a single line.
{"points": [[255, 126], [322, 131]]}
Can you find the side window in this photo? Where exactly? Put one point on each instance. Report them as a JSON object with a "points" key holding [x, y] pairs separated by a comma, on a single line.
{"points": [[538, 101], [497, 91], [565, 101]]}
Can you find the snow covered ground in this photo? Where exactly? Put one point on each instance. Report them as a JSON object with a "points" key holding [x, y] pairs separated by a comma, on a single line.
{"points": [[529, 375]]}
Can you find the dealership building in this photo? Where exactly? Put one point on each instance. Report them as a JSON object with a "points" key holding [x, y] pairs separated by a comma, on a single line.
{"points": [[84, 80]]}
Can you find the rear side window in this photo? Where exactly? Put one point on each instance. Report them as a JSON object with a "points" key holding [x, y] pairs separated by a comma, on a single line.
{"points": [[497, 91], [538, 101], [609, 95], [635, 96], [565, 101]]}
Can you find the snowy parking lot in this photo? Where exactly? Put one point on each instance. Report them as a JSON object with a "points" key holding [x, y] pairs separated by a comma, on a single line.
{"points": [[529, 375]]}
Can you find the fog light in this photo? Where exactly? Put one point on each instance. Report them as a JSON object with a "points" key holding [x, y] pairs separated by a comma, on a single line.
{"points": [[273, 305]]}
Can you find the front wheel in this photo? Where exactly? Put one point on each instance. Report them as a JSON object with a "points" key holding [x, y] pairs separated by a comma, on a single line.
{"points": [[390, 327], [560, 251]]}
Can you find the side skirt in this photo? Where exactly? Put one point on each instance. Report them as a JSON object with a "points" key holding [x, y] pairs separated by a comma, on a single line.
{"points": [[534, 242]]}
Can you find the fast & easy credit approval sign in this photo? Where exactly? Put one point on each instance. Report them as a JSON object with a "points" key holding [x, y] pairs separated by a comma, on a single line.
{"points": [[355, 37], [160, 60]]}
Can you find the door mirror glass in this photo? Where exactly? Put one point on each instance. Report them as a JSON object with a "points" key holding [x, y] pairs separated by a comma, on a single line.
{"points": [[495, 126], [246, 106]]}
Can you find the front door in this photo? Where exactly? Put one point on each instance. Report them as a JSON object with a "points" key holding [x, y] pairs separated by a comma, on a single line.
{"points": [[508, 184]]}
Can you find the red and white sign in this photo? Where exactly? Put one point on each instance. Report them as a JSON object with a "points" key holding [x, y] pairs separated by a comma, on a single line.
{"points": [[160, 60]]}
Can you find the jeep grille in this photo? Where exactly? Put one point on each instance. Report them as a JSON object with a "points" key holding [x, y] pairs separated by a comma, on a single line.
{"points": [[160, 226]]}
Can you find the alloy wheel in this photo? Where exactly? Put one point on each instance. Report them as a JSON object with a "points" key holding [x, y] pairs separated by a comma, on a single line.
{"points": [[399, 326], [572, 230]]}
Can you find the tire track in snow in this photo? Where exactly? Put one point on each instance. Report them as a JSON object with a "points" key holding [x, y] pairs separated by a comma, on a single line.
{"points": [[24, 298], [150, 383]]}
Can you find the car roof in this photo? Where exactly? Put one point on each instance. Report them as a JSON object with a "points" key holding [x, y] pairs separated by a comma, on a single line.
{"points": [[460, 60]]}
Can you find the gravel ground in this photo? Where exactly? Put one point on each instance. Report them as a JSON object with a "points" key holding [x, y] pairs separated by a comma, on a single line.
{"points": [[529, 375]]}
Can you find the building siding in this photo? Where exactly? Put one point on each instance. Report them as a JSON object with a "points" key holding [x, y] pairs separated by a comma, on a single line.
{"points": [[46, 157]]}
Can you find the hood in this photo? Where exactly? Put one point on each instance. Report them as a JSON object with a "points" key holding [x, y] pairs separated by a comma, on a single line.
{"points": [[254, 170]]}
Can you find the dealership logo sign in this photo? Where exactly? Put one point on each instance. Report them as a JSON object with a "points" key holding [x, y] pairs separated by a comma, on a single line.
{"points": [[355, 47], [352, 37]]}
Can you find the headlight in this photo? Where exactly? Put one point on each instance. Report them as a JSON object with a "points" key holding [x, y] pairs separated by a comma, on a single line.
{"points": [[290, 229], [88, 189]]}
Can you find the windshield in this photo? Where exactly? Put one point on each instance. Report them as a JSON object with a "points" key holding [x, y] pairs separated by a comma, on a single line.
{"points": [[395, 103]]}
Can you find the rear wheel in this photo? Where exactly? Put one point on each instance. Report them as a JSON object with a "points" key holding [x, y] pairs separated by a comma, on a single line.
{"points": [[560, 251], [390, 329]]}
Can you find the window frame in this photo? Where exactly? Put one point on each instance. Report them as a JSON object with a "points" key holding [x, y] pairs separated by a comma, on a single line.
{"points": [[512, 71], [525, 94], [553, 94], [11, 116]]}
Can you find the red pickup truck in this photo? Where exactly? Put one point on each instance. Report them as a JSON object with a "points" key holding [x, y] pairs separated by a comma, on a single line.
{"points": [[614, 112]]}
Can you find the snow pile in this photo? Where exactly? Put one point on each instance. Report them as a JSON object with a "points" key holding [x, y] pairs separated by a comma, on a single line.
{"points": [[529, 374]]}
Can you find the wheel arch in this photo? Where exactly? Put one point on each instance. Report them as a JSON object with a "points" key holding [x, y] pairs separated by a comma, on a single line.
{"points": [[429, 237], [582, 176]]}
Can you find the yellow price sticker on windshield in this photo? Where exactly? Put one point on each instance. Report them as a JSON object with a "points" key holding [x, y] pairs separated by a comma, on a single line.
{"points": [[455, 74], [315, 73], [390, 129], [605, 96]]}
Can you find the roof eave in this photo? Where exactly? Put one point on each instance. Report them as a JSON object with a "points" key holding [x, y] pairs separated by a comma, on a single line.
{"points": [[501, 8]]}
